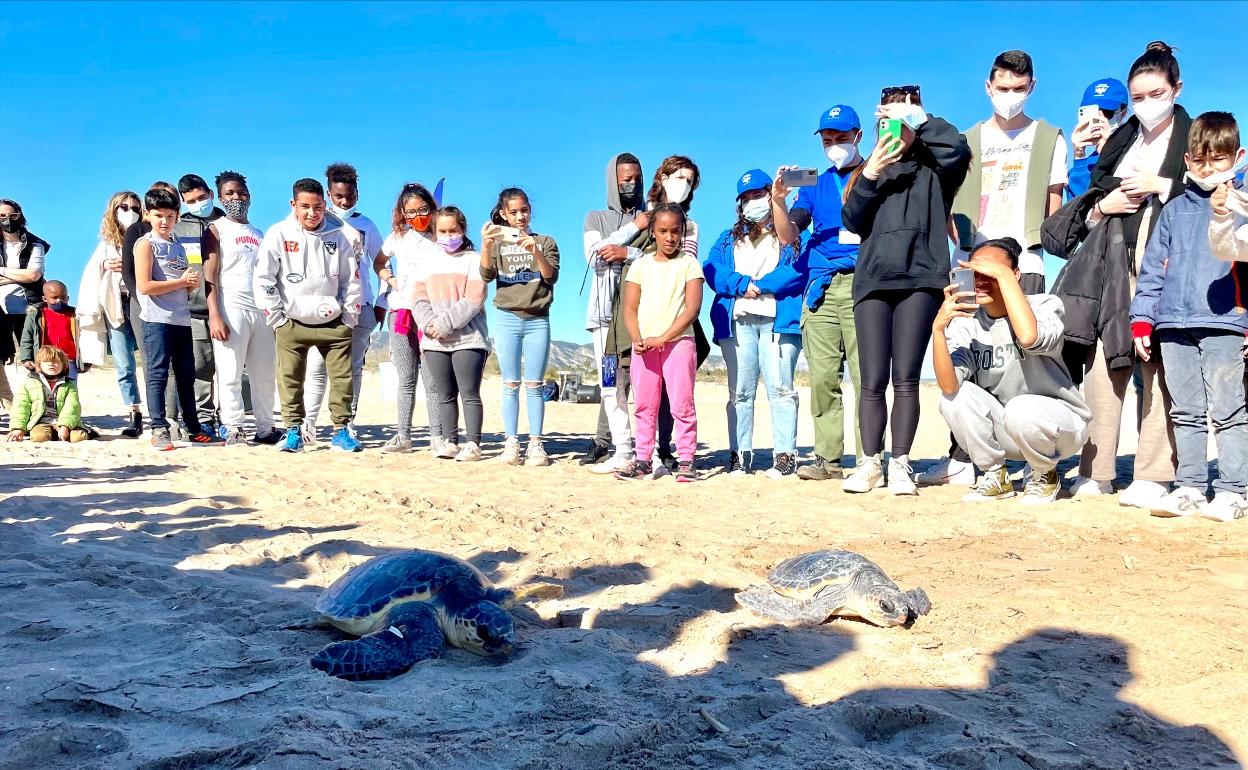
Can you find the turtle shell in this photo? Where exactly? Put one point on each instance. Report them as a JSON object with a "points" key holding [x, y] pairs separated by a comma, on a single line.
{"points": [[805, 575]]}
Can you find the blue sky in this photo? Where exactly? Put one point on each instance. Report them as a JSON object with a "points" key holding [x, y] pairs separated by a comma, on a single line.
{"points": [[105, 96]]}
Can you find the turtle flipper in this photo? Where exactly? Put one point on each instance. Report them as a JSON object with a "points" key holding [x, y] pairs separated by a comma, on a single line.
{"points": [[411, 634], [765, 601], [918, 601]]}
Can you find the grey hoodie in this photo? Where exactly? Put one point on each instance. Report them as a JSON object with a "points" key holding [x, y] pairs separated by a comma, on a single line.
{"points": [[598, 225], [307, 276]]}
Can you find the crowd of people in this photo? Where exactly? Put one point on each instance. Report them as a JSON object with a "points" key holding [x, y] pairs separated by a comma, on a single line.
{"points": [[936, 237]]}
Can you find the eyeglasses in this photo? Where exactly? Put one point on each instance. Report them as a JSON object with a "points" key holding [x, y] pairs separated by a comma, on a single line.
{"points": [[129, 207], [423, 212]]}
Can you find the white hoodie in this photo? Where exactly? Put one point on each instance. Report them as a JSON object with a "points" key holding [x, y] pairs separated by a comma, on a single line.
{"points": [[307, 276], [1228, 236]]}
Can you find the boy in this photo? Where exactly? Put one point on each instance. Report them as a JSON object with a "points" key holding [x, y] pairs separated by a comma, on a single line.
{"points": [[47, 407], [1192, 303], [163, 280], [997, 353], [53, 322], [307, 286], [246, 342], [194, 232]]}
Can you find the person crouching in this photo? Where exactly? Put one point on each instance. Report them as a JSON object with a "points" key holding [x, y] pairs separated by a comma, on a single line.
{"points": [[46, 406]]}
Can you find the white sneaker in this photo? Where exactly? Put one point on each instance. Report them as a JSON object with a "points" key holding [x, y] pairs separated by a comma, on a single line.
{"points": [[469, 453], [449, 451], [900, 476], [613, 464], [1142, 494], [1086, 487], [235, 437], [947, 471], [435, 445], [1226, 506], [308, 430], [397, 444], [536, 455], [867, 476], [1183, 501], [511, 451]]}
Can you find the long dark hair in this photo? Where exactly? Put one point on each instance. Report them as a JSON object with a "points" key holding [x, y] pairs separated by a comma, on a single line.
{"points": [[1157, 57], [670, 165], [744, 228], [460, 219], [409, 191], [496, 213]]}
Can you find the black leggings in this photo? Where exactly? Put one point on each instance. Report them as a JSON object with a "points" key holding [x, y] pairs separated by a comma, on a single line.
{"points": [[893, 327], [457, 375]]}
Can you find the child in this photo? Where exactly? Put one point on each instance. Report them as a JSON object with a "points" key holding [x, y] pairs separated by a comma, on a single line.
{"points": [[1193, 303], [46, 407], [662, 297], [448, 305], [53, 322], [1228, 236], [163, 281]]}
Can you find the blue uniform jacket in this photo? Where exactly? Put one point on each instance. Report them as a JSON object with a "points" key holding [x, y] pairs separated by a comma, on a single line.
{"points": [[786, 283]]}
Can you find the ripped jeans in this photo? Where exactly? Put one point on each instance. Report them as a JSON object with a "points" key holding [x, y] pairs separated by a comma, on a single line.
{"points": [[523, 348], [753, 350]]}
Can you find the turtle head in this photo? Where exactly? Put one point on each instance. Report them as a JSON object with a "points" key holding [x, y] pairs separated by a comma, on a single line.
{"points": [[484, 628], [884, 606]]}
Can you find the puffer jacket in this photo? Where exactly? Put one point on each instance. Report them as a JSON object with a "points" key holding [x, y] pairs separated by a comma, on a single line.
{"points": [[28, 403]]}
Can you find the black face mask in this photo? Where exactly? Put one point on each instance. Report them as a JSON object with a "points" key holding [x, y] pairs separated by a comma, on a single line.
{"points": [[628, 194], [11, 225]]}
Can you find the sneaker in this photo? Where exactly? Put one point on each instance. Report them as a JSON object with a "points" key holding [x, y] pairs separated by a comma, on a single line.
{"points": [[597, 452], [204, 438], [901, 476], [995, 484], [737, 466], [435, 445], [783, 464], [1041, 488], [1142, 494], [617, 462], [351, 429], [637, 469], [448, 451], [397, 444], [234, 437], [268, 438], [294, 440], [343, 442], [1226, 506], [947, 471], [536, 455], [160, 440], [177, 434], [308, 432], [511, 451], [867, 476], [469, 453], [1086, 487], [819, 469], [210, 427], [669, 462], [1183, 501], [134, 428], [686, 472]]}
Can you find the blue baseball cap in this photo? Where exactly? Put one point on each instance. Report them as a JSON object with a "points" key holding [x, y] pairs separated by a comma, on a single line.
{"points": [[1106, 93], [754, 179], [839, 118]]}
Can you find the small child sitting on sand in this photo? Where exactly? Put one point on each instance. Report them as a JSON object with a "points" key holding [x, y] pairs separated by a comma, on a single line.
{"points": [[46, 406]]}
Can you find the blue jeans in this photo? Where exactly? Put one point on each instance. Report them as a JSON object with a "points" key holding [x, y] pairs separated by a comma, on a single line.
{"points": [[122, 344], [754, 349], [168, 348], [523, 348], [1205, 376]]}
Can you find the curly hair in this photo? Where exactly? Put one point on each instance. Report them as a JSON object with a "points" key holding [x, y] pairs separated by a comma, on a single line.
{"points": [[110, 229], [670, 165], [398, 222]]}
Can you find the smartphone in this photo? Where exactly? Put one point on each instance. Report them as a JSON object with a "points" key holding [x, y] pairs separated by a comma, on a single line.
{"points": [[889, 127], [800, 177], [510, 234], [1090, 113], [964, 277]]}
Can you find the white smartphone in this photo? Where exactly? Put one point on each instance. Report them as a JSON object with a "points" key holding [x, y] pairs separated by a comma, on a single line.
{"points": [[510, 234], [1090, 113]]}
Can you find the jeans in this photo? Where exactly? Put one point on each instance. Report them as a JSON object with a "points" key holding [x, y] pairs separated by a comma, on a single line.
{"points": [[1205, 376], [672, 368], [754, 349], [1039, 429], [123, 343], [169, 349], [523, 348]]}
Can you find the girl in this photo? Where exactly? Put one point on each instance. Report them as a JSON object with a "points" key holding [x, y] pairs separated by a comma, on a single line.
{"points": [[898, 202], [662, 297], [526, 267], [448, 305], [756, 318], [21, 283], [409, 244], [47, 406], [104, 306]]}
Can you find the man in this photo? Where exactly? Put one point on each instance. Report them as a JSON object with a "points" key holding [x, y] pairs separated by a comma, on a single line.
{"points": [[1006, 393], [1110, 97], [1016, 179], [306, 285]]}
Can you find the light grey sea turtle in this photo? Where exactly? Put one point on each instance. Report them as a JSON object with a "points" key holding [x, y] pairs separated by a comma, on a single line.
{"points": [[814, 587], [405, 606]]}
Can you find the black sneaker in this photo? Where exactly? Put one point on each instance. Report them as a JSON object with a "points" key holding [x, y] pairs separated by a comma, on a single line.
{"points": [[135, 427], [274, 436], [783, 464], [596, 453], [734, 466], [819, 470], [204, 438], [686, 472], [637, 469]]}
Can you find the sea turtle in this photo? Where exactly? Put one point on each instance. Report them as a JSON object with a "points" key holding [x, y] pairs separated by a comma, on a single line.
{"points": [[404, 605], [817, 586]]}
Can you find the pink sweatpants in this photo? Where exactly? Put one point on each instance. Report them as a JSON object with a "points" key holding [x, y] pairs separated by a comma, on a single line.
{"points": [[674, 367]]}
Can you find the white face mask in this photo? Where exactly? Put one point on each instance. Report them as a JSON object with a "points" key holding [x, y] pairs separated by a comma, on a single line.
{"points": [[1153, 112], [842, 155], [1008, 105], [756, 210], [1218, 178], [676, 188], [343, 213], [125, 218]]}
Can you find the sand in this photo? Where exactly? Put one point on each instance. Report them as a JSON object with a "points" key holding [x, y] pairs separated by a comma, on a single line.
{"points": [[158, 613]]}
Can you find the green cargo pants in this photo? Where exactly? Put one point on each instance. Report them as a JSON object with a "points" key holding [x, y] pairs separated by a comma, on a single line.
{"points": [[333, 340], [829, 341]]}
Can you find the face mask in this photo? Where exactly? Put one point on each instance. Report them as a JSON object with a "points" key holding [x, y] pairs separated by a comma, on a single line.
{"points": [[1153, 112], [756, 210], [344, 213], [628, 194], [677, 189], [450, 244], [201, 209], [58, 307], [420, 224], [236, 209], [841, 155], [11, 225], [126, 218], [1008, 105], [1214, 180]]}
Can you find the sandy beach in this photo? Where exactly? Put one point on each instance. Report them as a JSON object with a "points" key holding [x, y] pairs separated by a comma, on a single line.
{"points": [[158, 613]]}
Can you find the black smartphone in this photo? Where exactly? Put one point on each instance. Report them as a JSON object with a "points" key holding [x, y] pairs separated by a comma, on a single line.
{"points": [[800, 177]]}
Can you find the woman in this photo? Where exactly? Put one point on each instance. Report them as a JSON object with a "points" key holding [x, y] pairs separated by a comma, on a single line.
{"points": [[1139, 169], [104, 306], [756, 318], [898, 202], [21, 283]]}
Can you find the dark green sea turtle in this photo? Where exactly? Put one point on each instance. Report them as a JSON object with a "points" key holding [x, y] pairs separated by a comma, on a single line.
{"points": [[814, 587], [406, 606]]}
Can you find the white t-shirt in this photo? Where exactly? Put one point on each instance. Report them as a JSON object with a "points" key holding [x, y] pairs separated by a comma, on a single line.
{"points": [[406, 251], [756, 261], [662, 291], [1004, 157], [12, 294], [240, 247], [366, 239]]}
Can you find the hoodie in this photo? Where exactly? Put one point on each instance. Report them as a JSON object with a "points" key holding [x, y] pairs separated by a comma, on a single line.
{"points": [[598, 225], [307, 276], [1228, 235]]}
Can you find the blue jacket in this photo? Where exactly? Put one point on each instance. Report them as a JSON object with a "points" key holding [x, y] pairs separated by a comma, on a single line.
{"points": [[785, 283], [1182, 285], [1080, 177], [824, 253]]}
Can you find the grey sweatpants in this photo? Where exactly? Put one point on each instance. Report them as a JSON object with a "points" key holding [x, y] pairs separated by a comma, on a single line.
{"points": [[314, 387], [205, 379], [1039, 429]]}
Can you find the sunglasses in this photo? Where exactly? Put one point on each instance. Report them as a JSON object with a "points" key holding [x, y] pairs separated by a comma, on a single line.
{"points": [[888, 91], [130, 207], [7, 217]]}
